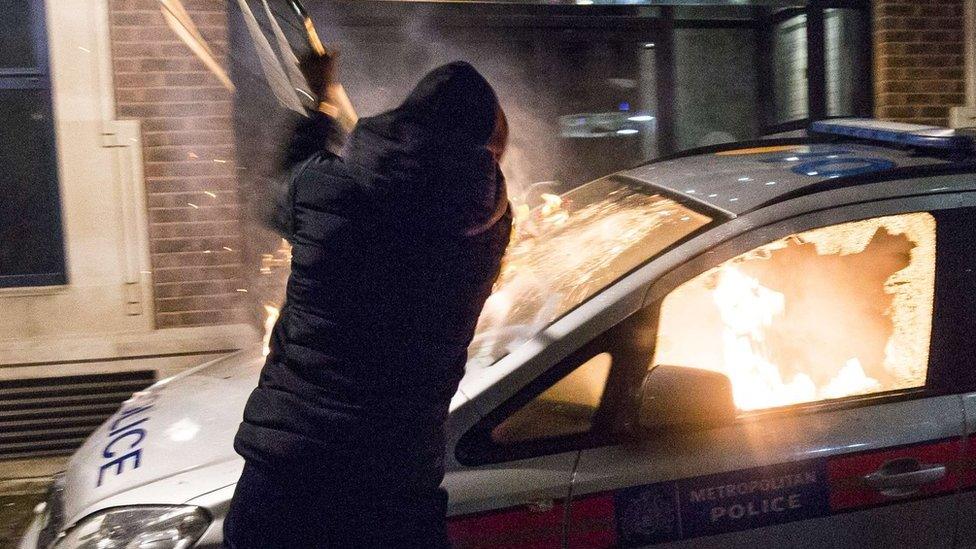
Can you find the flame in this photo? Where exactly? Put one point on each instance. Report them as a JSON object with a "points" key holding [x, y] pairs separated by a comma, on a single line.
{"points": [[747, 310], [552, 211], [271, 317], [829, 313]]}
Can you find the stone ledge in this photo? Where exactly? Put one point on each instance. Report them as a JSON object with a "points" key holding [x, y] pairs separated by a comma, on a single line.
{"points": [[16, 354]]}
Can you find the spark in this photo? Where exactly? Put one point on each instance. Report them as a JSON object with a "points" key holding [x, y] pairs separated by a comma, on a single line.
{"points": [[219, 160], [565, 250], [242, 290], [745, 179], [770, 183], [228, 249], [210, 194], [192, 205], [84, 49]]}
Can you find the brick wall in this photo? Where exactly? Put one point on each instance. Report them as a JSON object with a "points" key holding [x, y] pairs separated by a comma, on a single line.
{"points": [[191, 176], [918, 59]]}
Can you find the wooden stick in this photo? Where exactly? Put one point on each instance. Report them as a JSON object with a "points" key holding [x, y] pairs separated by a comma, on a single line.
{"points": [[180, 22]]}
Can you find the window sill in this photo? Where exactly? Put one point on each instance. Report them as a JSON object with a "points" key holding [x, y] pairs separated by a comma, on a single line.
{"points": [[34, 290]]}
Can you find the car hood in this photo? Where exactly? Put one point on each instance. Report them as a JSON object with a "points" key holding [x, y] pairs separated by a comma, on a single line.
{"points": [[168, 443]]}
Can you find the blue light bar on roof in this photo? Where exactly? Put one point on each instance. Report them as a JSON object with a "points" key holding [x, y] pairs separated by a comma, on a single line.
{"points": [[912, 135]]}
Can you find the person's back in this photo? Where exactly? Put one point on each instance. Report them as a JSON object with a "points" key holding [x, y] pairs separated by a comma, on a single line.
{"points": [[395, 248]]}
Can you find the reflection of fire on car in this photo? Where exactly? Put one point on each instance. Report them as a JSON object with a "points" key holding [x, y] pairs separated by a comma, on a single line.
{"points": [[764, 344]]}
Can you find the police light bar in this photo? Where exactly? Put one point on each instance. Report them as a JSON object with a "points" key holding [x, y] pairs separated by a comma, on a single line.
{"points": [[912, 135]]}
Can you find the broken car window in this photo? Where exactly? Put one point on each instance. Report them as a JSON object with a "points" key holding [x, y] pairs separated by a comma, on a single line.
{"points": [[829, 313]]}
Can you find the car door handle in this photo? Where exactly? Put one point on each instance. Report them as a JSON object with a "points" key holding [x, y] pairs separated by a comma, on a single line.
{"points": [[904, 476]]}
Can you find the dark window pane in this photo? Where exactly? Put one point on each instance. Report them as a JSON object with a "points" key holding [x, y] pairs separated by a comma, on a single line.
{"points": [[845, 42], [790, 70], [16, 40], [30, 227], [715, 73]]}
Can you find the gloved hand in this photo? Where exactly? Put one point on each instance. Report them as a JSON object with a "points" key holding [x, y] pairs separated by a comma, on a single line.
{"points": [[321, 73]]}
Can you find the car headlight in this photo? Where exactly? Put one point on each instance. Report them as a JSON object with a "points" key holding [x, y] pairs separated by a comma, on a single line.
{"points": [[149, 527]]}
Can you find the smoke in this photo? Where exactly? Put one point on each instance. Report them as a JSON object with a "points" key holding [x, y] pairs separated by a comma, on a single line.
{"points": [[380, 65], [537, 78]]}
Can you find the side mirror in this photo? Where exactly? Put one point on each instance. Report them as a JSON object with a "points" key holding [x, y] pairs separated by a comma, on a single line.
{"points": [[674, 397]]}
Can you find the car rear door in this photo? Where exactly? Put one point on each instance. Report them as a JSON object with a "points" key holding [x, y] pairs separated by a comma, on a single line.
{"points": [[852, 434]]}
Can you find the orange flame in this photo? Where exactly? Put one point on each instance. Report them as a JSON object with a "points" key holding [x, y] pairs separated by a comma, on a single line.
{"points": [[829, 313]]}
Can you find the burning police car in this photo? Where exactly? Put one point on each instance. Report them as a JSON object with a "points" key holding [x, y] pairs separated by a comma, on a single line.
{"points": [[752, 344]]}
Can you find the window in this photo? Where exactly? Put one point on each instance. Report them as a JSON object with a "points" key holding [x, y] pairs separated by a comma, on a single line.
{"points": [[566, 408], [845, 57], [789, 64], [716, 105], [828, 313], [568, 249], [31, 249]]}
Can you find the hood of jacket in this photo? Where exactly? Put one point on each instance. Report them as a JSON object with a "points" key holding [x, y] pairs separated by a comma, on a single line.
{"points": [[427, 161]]}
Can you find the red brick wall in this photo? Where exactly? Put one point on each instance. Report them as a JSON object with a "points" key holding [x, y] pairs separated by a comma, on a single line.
{"points": [[195, 215], [918, 59]]}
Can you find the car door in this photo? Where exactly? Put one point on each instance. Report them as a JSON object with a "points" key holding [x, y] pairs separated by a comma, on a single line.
{"points": [[518, 504], [849, 427], [511, 503]]}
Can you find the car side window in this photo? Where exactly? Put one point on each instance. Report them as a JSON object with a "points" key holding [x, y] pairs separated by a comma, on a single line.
{"points": [[828, 313], [565, 408]]}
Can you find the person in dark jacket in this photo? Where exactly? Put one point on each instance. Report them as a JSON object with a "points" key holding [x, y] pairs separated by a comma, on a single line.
{"points": [[395, 247]]}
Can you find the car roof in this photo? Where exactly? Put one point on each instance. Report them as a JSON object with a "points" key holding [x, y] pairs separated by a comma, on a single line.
{"points": [[738, 178]]}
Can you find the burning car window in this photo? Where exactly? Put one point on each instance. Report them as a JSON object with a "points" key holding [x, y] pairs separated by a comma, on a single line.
{"points": [[569, 248], [833, 312]]}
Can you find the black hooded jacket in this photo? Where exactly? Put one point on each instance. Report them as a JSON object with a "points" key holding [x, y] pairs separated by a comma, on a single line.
{"points": [[395, 247]]}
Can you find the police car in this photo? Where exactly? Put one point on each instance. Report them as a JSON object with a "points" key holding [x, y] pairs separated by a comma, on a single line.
{"points": [[760, 344]]}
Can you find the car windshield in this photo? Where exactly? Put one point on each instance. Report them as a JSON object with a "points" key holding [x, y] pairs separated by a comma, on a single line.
{"points": [[567, 249]]}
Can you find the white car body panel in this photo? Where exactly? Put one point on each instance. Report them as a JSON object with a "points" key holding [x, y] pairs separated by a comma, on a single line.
{"points": [[189, 440]]}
